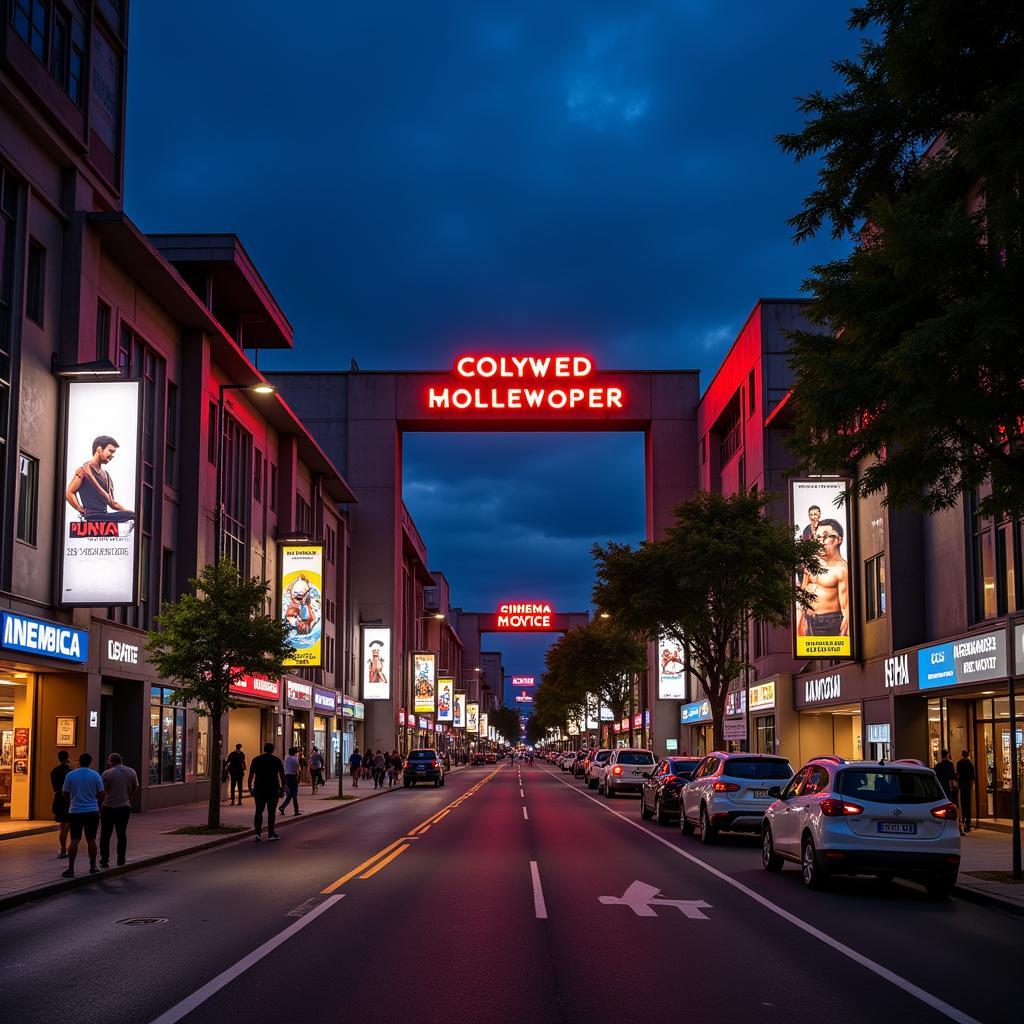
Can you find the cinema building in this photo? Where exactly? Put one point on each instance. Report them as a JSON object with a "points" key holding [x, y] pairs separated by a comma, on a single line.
{"points": [[121, 357]]}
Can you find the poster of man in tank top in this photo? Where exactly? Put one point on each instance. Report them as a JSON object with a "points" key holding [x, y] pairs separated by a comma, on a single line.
{"points": [[99, 564]]}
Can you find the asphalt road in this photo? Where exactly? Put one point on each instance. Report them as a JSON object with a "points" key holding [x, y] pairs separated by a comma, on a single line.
{"points": [[497, 899]]}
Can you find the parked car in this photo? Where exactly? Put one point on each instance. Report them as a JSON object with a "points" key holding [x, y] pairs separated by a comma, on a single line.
{"points": [[625, 771], [569, 761], [491, 756], [864, 817], [590, 774], [478, 758], [730, 793], [580, 767], [659, 799], [422, 765]]}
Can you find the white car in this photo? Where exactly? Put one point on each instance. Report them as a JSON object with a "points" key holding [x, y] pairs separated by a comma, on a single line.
{"points": [[568, 761], [730, 793], [864, 817], [625, 771], [593, 769]]}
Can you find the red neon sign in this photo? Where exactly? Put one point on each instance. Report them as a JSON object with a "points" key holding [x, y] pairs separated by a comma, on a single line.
{"points": [[525, 615], [525, 383]]}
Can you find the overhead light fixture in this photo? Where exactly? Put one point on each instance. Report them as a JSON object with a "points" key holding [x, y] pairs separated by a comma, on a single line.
{"points": [[98, 369], [604, 615], [263, 388]]}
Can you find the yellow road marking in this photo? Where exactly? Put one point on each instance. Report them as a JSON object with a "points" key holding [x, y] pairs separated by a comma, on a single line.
{"points": [[355, 871], [385, 862]]}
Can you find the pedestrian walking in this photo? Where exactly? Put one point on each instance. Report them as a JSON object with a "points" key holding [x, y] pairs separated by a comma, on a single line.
{"points": [[378, 771], [120, 784], [395, 769], [965, 779], [234, 765], [61, 800], [303, 766], [355, 764], [291, 782], [316, 769], [85, 791], [266, 781], [945, 770]]}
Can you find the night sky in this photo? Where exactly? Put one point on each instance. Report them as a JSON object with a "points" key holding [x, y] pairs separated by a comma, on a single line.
{"points": [[413, 179]]}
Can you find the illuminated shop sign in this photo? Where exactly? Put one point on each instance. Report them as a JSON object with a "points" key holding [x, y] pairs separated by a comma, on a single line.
{"points": [[298, 695], [257, 686], [736, 702], [511, 384], [324, 700], [524, 698], [524, 615], [762, 697], [524, 680], [359, 710], [823, 688], [695, 713], [974, 659], [37, 636]]}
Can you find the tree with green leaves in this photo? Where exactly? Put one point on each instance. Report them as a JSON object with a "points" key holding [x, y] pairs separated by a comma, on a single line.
{"points": [[916, 363], [209, 639], [722, 563], [506, 723]]}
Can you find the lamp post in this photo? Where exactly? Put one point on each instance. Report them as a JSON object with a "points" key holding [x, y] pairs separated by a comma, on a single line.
{"points": [[260, 387]]}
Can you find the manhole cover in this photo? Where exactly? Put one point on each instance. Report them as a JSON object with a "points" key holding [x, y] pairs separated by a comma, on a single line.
{"points": [[134, 921]]}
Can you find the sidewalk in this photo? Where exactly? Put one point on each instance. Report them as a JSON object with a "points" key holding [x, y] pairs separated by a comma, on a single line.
{"points": [[30, 868], [985, 868]]}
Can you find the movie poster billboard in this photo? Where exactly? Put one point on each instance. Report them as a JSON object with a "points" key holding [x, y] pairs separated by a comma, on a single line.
{"points": [[459, 709], [99, 541], [484, 727], [376, 662], [823, 629], [445, 699], [472, 717], [424, 682], [302, 581], [671, 669]]}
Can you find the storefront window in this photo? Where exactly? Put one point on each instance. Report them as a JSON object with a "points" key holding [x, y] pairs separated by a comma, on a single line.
{"points": [[203, 746], [167, 737], [764, 734]]}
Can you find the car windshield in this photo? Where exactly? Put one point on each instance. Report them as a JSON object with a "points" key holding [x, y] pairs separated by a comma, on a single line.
{"points": [[422, 755], [636, 757], [757, 768], [889, 786], [684, 768], [602, 755]]}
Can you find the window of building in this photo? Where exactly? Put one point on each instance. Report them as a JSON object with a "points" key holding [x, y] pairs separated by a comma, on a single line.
{"points": [[9, 193], [303, 515], [330, 543], [257, 475], [124, 351], [731, 434], [764, 731], [166, 737], [59, 47], [35, 283], [741, 473], [31, 21], [273, 488], [703, 451], [168, 585], [102, 330], [171, 436], [237, 490], [329, 653], [874, 587], [1006, 569], [28, 497], [751, 395], [211, 432], [983, 567], [76, 63]]}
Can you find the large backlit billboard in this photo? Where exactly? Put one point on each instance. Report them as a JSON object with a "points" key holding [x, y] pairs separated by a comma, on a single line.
{"points": [[445, 699], [459, 709], [823, 629], [424, 682], [671, 670], [472, 717], [99, 539], [302, 581], [483, 725], [376, 662]]}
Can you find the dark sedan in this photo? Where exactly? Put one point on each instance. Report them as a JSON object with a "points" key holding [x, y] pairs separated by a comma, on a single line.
{"points": [[422, 765], [660, 796]]}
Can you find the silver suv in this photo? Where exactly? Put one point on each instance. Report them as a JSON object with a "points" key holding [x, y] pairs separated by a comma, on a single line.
{"points": [[731, 792], [625, 771]]}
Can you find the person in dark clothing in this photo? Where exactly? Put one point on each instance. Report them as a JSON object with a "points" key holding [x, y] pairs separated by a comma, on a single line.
{"points": [[355, 764], [61, 802], [266, 783], [965, 778], [234, 765], [946, 772]]}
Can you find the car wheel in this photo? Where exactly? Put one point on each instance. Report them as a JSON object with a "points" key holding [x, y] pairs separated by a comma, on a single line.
{"points": [[684, 823], [813, 876], [592, 783], [769, 858], [659, 813], [608, 790], [407, 783], [644, 813], [940, 886], [707, 830], [437, 783]]}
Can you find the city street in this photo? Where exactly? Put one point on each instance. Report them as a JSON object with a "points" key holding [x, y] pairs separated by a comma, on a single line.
{"points": [[498, 898]]}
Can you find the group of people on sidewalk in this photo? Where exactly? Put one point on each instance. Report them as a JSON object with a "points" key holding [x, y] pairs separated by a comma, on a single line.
{"points": [[957, 782], [85, 802], [303, 769], [377, 765]]}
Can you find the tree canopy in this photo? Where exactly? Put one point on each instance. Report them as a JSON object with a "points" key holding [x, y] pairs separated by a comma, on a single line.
{"points": [[209, 639], [720, 564], [506, 723], [916, 363]]}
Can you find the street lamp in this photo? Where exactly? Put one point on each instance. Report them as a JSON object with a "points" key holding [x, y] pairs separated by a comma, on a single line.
{"points": [[98, 369], [261, 387]]}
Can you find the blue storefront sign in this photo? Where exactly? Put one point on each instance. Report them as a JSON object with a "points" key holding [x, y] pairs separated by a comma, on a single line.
{"points": [[972, 659], [38, 636], [695, 713]]}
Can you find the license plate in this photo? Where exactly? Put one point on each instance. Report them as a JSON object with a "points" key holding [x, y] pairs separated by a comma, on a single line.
{"points": [[761, 794], [898, 828]]}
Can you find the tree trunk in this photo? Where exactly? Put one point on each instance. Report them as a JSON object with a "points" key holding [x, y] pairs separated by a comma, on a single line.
{"points": [[216, 767], [718, 717]]}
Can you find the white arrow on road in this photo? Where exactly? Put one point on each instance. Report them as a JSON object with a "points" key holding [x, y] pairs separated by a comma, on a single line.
{"points": [[643, 899]]}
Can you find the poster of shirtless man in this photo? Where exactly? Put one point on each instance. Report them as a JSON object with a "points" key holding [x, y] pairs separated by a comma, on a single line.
{"points": [[823, 629]]}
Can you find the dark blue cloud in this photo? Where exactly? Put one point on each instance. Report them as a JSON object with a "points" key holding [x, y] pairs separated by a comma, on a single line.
{"points": [[410, 178]]}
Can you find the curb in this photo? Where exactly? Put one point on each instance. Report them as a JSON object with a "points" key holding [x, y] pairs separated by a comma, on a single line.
{"points": [[988, 899]]}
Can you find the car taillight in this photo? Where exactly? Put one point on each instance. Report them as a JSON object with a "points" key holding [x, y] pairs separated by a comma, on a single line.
{"points": [[670, 778], [433, 764], [726, 787], [833, 808], [947, 812], [617, 770]]}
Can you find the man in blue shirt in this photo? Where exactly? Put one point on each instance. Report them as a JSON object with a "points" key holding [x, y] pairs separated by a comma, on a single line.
{"points": [[85, 788]]}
